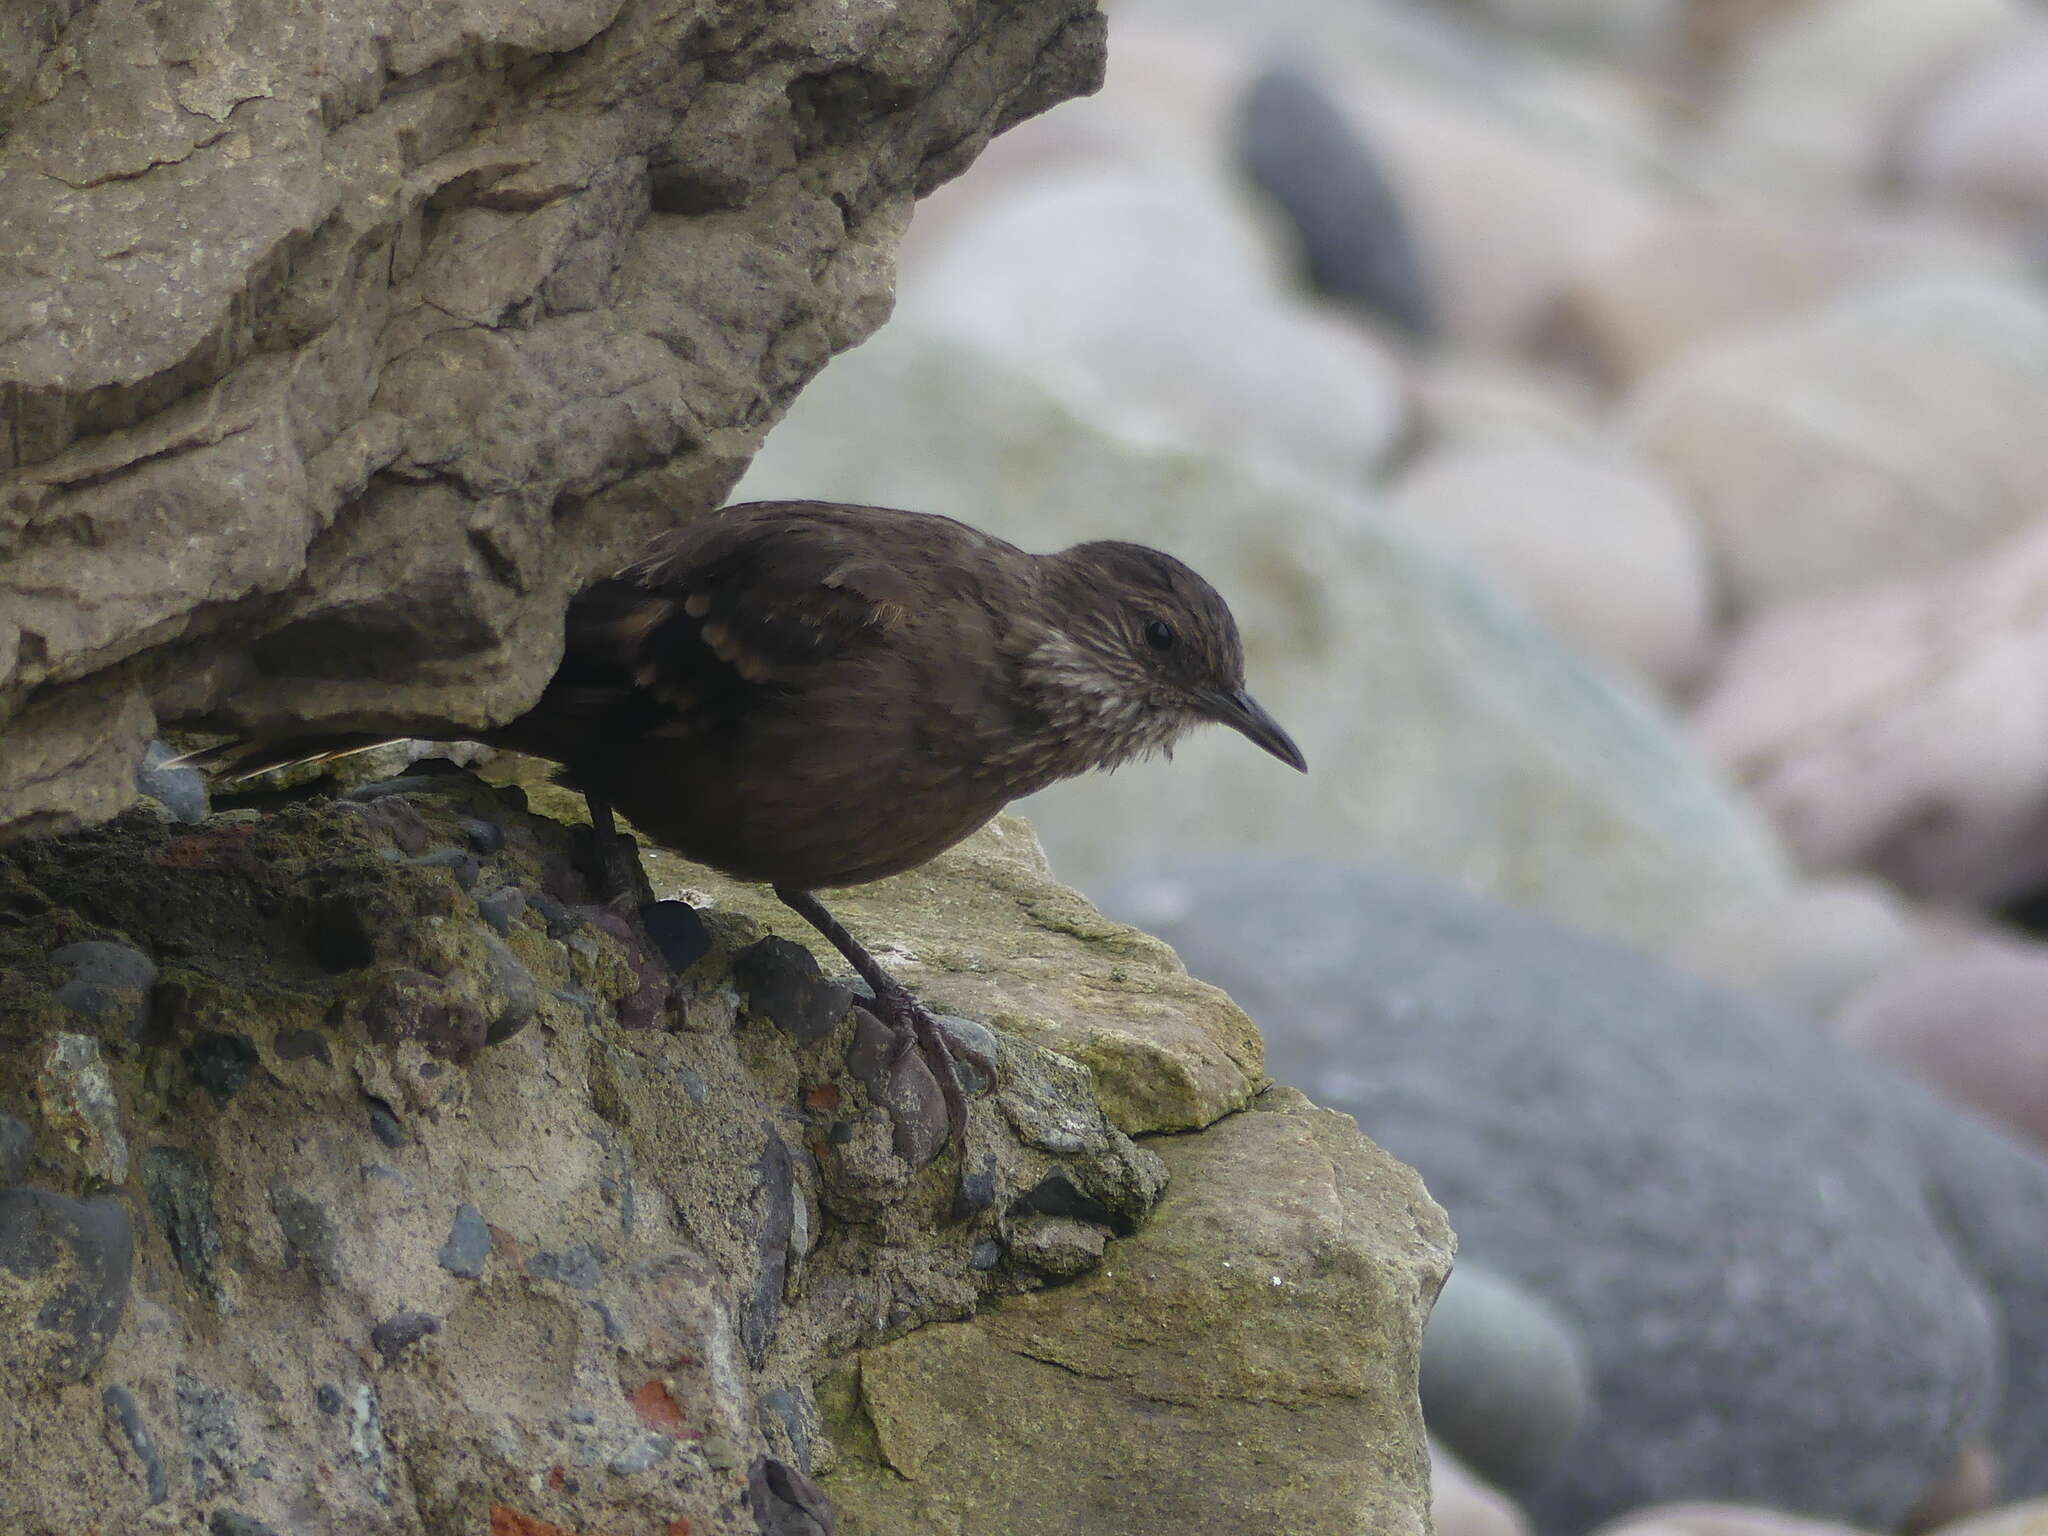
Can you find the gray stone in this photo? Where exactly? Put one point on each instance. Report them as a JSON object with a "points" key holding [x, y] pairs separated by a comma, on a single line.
{"points": [[110, 983], [1443, 730], [579, 1268], [781, 982], [126, 1413], [1505, 1381], [308, 1230], [16, 1139], [518, 996], [179, 790], [76, 1097], [1298, 148], [391, 1337], [468, 1244], [178, 1187], [1800, 1279], [72, 1260]]}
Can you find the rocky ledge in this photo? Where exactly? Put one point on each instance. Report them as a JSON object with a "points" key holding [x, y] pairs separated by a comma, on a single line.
{"points": [[358, 1171]]}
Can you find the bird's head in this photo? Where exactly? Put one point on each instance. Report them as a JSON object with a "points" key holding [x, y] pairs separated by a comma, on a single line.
{"points": [[1142, 650]]}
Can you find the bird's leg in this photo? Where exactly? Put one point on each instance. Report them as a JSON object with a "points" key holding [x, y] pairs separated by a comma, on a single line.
{"points": [[903, 1013], [613, 861]]}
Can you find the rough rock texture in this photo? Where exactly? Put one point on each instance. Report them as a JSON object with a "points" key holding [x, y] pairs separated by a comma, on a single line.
{"points": [[421, 1199], [338, 344]]}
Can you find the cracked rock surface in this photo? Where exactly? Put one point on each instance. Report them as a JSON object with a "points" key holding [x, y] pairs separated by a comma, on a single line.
{"points": [[399, 1189], [339, 344]]}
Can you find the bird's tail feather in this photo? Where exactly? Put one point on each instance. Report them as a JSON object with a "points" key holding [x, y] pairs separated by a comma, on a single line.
{"points": [[232, 761]]}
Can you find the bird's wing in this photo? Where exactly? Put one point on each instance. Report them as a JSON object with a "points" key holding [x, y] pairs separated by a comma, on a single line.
{"points": [[721, 611]]}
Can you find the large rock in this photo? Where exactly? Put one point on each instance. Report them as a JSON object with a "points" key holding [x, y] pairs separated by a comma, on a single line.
{"points": [[513, 1229], [1152, 304], [336, 355], [1810, 101], [1262, 1321], [1593, 544], [1801, 1280], [1898, 729], [1442, 730], [1895, 429]]}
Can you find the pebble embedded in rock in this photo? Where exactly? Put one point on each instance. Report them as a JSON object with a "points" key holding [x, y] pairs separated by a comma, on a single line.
{"points": [[179, 790], [15, 1140], [391, 1337], [406, 828], [110, 983], [301, 1045], [126, 1413], [177, 1186], [327, 1398], [784, 1501], [640, 1455], [485, 837], [75, 1259], [222, 1064], [434, 1010], [678, 931], [384, 1124], [501, 906], [518, 993], [776, 1179], [580, 1268], [468, 1244], [228, 1522], [561, 921], [309, 1232], [77, 1100], [1057, 1247], [459, 862], [781, 982]]}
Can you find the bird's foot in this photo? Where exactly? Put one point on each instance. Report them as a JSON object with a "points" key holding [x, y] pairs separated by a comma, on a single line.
{"points": [[609, 862], [943, 1052]]}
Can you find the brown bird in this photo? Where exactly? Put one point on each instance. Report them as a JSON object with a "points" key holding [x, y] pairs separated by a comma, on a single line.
{"points": [[814, 695]]}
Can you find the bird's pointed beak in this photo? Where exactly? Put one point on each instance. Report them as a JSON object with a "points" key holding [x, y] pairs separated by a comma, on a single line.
{"points": [[1243, 713]]}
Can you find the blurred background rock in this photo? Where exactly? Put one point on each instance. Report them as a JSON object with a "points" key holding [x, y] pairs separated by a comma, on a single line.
{"points": [[1623, 430]]}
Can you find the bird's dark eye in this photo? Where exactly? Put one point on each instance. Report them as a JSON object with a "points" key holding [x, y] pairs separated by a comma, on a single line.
{"points": [[1159, 634]]}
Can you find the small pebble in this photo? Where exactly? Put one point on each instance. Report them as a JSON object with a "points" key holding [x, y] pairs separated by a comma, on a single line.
{"points": [[327, 1398], [127, 1416], [459, 862], [500, 906], [384, 1124], [678, 932], [484, 836], [468, 1244], [15, 1140], [391, 1337], [640, 1455]]}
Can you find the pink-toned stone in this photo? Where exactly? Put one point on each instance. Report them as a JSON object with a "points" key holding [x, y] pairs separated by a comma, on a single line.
{"points": [[2029, 1518], [1902, 730], [1589, 541], [1718, 1520], [1895, 429], [1968, 1489], [1701, 272], [1971, 1022], [1979, 141], [1461, 1505]]}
